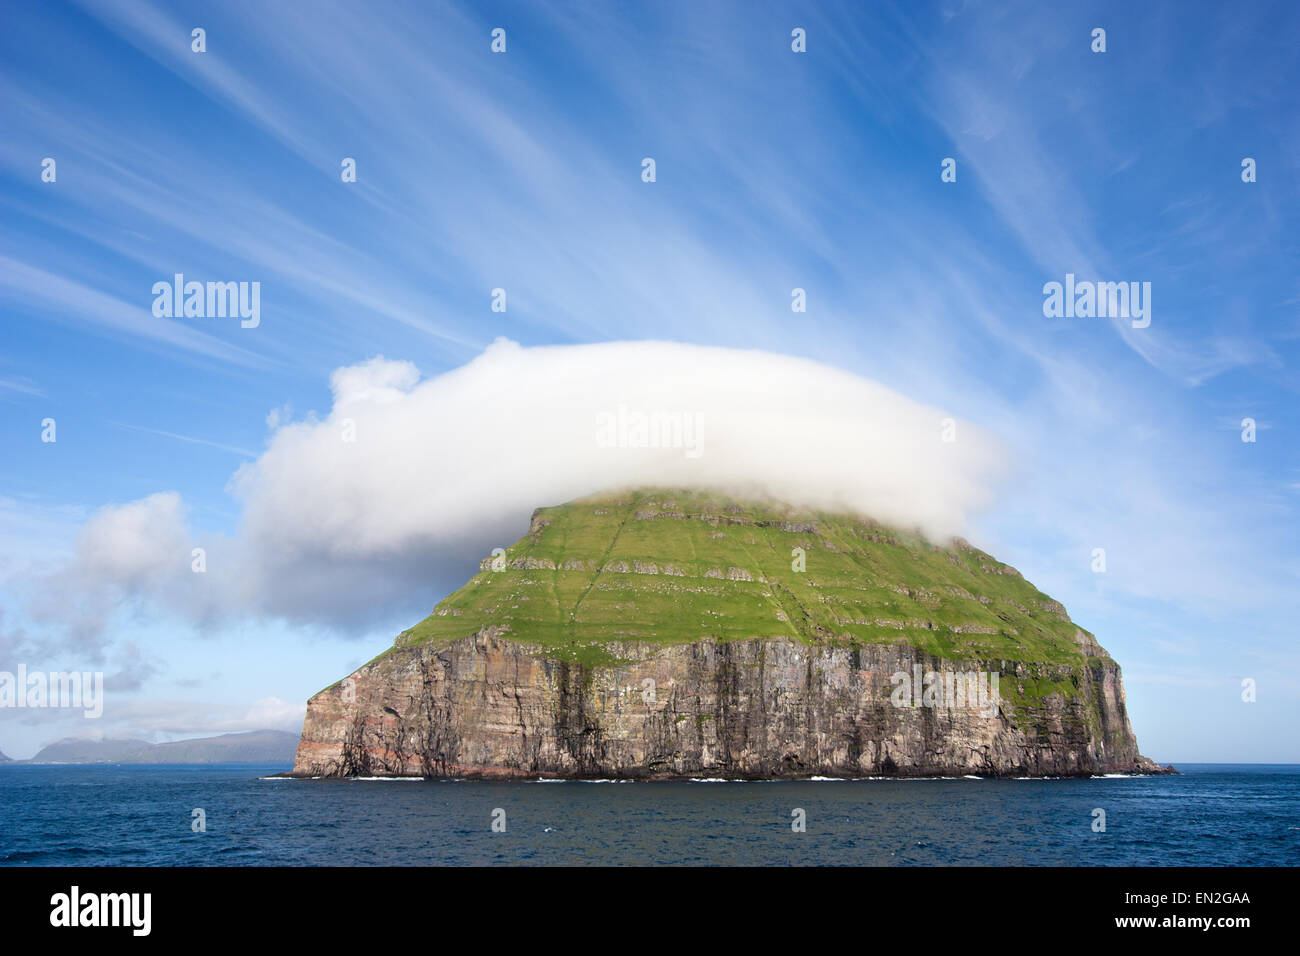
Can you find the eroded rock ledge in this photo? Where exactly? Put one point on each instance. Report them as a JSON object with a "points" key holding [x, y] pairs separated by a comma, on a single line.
{"points": [[488, 706]]}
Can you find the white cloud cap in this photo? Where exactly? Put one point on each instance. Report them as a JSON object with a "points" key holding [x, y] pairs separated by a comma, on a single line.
{"points": [[407, 483]]}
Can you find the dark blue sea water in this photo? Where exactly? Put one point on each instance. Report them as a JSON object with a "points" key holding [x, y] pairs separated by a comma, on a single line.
{"points": [[1212, 814]]}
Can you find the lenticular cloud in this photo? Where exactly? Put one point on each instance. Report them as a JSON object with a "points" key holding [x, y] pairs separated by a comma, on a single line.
{"points": [[406, 483], [399, 459]]}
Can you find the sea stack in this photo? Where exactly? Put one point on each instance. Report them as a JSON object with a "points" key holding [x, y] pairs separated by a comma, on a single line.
{"points": [[668, 634]]}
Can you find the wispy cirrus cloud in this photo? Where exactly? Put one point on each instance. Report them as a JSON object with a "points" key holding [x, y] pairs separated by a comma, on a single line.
{"points": [[776, 170]]}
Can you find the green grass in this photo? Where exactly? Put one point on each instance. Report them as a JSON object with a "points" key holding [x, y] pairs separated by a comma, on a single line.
{"points": [[864, 584]]}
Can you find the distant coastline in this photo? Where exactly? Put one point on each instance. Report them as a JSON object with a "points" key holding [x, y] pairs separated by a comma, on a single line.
{"points": [[257, 746]]}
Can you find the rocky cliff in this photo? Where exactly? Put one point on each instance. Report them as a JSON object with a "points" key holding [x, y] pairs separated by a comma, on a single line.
{"points": [[659, 634]]}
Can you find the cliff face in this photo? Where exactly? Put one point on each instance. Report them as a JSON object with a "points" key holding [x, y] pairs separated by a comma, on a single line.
{"points": [[745, 673], [485, 706]]}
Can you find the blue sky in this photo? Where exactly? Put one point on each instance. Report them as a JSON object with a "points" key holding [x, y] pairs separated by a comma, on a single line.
{"points": [[775, 170]]}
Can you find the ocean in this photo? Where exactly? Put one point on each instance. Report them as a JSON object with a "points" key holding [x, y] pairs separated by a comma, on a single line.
{"points": [[1210, 815]]}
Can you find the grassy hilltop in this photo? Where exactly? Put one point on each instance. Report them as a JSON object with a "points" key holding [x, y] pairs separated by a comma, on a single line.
{"points": [[677, 566]]}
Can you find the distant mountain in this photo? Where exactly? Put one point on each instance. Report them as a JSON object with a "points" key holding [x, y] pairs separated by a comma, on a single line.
{"points": [[4, 759], [257, 746], [78, 750]]}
